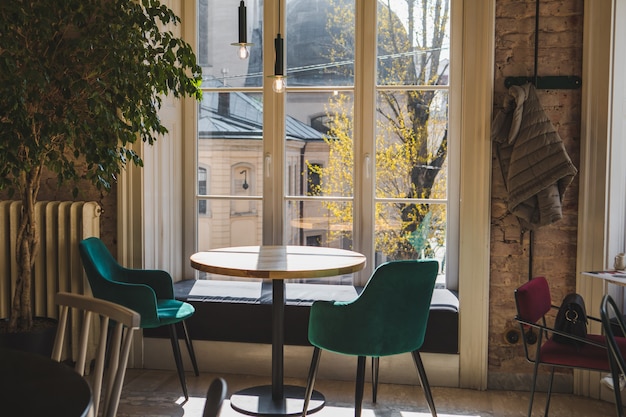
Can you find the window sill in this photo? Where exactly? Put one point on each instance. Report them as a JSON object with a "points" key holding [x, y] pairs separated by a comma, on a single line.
{"points": [[240, 311]]}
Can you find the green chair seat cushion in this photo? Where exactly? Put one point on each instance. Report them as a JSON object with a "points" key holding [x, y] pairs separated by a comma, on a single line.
{"points": [[170, 311]]}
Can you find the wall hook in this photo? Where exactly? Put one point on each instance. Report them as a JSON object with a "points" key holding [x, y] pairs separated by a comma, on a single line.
{"points": [[551, 82]]}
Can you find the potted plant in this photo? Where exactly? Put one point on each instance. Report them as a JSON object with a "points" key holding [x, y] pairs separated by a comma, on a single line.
{"points": [[80, 82]]}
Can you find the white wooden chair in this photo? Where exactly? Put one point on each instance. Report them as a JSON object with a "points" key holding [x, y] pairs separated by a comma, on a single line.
{"points": [[119, 346]]}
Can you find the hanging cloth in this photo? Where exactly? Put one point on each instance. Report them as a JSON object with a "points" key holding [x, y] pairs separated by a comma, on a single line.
{"points": [[533, 160]]}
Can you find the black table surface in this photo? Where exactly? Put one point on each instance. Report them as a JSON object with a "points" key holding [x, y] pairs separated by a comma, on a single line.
{"points": [[35, 385]]}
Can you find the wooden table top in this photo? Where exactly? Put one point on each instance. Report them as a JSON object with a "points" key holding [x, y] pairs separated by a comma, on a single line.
{"points": [[278, 262]]}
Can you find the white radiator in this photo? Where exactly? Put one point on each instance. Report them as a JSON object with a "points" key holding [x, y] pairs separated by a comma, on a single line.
{"points": [[61, 225]]}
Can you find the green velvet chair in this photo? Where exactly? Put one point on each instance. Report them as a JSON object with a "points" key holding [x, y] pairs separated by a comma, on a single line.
{"points": [[389, 317], [148, 292]]}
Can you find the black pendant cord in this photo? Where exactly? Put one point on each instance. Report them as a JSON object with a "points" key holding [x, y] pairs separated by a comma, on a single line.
{"points": [[531, 249], [279, 65], [536, 73], [531, 233]]}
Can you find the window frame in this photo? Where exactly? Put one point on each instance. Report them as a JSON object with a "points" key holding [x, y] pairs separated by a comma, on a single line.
{"points": [[277, 180], [475, 106]]}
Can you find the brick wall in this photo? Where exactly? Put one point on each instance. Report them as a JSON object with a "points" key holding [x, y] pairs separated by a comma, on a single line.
{"points": [[554, 256]]}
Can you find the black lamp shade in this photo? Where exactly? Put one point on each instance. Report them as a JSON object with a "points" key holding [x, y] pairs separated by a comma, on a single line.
{"points": [[279, 65], [243, 26]]}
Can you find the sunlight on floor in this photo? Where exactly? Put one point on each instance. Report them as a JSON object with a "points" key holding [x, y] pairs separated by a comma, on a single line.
{"points": [[349, 412], [157, 393], [195, 404]]}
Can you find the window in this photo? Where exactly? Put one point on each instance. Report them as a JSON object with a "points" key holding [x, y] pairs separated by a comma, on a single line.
{"points": [[346, 153], [160, 180], [313, 184], [202, 190], [314, 240], [243, 185]]}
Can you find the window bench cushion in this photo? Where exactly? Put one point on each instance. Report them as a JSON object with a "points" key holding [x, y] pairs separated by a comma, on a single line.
{"points": [[240, 311]]}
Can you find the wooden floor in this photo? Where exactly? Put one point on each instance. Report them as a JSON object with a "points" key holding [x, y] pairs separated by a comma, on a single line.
{"points": [[158, 393]]}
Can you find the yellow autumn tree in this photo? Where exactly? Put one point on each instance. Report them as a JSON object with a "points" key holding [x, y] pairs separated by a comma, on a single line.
{"points": [[411, 129]]}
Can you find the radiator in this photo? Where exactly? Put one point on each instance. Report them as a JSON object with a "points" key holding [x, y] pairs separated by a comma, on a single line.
{"points": [[61, 225]]}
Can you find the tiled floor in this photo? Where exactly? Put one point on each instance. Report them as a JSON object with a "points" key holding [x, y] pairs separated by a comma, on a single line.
{"points": [[158, 393]]}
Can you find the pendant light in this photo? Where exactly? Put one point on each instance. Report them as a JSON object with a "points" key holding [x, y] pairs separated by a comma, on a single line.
{"points": [[243, 36], [280, 82]]}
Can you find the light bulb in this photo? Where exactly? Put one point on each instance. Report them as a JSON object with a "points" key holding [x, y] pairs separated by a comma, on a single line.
{"points": [[243, 52], [243, 44], [279, 84]]}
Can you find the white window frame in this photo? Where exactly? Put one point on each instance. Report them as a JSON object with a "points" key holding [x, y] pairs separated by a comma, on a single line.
{"points": [[477, 20], [602, 175]]}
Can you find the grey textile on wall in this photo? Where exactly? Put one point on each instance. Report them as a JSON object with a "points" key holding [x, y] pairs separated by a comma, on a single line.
{"points": [[536, 167]]}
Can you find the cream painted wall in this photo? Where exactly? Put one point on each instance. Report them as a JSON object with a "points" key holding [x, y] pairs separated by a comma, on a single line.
{"points": [[602, 205]]}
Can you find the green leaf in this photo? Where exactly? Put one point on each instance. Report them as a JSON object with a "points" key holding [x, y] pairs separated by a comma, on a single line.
{"points": [[72, 87]]}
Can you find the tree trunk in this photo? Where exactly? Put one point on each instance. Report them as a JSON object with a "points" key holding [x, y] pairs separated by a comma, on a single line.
{"points": [[21, 318]]}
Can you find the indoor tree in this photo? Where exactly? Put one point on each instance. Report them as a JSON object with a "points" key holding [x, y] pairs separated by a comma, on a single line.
{"points": [[80, 82]]}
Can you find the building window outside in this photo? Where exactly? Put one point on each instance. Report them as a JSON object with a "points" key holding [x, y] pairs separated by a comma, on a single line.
{"points": [[313, 183], [202, 190], [242, 186]]}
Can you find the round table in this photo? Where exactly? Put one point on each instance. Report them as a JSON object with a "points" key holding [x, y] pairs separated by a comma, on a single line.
{"points": [[277, 263], [35, 385]]}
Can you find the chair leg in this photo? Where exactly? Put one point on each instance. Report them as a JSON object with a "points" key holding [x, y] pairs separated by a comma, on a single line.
{"points": [[178, 359], [549, 392], [360, 384], [375, 367], [189, 343], [532, 389], [421, 372], [315, 361], [615, 373]]}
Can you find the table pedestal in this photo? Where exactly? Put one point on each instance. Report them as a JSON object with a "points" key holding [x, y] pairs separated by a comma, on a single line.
{"points": [[276, 399], [258, 401]]}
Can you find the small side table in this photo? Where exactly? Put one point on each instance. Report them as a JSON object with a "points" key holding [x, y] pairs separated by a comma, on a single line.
{"points": [[277, 263], [32, 385]]}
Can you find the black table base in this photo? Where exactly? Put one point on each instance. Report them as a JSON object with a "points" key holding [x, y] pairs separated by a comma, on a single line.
{"points": [[258, 401], [276, 399]]}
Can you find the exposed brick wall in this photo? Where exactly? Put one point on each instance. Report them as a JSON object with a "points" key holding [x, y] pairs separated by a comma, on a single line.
{"points": [[88, 192], [559, 53]]}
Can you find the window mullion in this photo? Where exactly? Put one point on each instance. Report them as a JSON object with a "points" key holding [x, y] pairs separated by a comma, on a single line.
{"points": [[273, 133], [364, 133]]}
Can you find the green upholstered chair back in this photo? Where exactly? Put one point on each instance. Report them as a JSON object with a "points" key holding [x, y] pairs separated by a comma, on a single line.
{"points": [[389, 317], [110, 281], [99, 264]]}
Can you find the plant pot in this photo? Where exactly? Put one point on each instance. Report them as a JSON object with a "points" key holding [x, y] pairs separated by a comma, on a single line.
{"points": [[39, 340]]}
